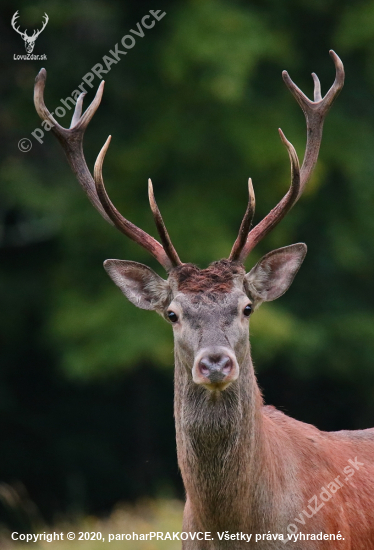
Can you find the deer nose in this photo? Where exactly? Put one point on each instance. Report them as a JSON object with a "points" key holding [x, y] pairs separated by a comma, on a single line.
{"points": [[215, 367]]}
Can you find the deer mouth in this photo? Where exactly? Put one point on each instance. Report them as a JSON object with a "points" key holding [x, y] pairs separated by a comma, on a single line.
{"points": [[215, 368]]}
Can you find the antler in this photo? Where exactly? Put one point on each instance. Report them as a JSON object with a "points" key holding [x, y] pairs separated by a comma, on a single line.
{"points": [[72, 142], [14, 18], [315, 113], [36, 33]]}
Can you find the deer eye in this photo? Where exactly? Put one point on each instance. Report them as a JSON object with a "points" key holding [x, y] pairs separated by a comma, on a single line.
{"points": [[173, 317], [247, 310]]}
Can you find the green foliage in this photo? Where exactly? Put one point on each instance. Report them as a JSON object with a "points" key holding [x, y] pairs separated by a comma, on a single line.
{"points": [[195, 105], [147, 516]]}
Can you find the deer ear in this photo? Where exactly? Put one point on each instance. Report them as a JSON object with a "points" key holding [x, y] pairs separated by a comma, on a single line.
{"points": [[274, 273], [140, 284]]}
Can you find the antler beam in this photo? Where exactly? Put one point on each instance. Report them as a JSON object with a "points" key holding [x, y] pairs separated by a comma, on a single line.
{"points": [[72, 142], [37, 32], [13, 23], [315, 113]]}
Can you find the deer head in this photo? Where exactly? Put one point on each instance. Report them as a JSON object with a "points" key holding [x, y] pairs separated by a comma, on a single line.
{"points": [[209, 308], [29, 40]]}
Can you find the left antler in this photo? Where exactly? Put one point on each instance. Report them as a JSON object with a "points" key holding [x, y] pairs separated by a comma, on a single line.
{"points": [[71, 140], [17, 29], [36, 33], [315, 113]]}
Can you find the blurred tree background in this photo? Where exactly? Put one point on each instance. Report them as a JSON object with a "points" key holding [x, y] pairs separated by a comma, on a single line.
{"points": [[86, 414]]}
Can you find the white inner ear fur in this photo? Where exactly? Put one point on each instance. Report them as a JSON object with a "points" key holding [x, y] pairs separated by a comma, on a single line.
{"points": [[274, 273], [140, 284]]}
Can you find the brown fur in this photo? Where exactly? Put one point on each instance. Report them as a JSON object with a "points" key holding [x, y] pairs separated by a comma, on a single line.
{"points": [[247, 468], [219, 277], [252, 469]]}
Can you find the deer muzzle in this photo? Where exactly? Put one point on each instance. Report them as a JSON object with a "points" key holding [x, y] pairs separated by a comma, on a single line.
{"points": [[215, 368]]}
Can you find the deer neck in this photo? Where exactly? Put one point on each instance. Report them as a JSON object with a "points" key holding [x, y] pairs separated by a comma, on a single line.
{"points": [[221, 445]]}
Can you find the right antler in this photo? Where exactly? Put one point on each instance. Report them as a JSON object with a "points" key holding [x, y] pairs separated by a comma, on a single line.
{"points": [[37, 32], [13, 23], [315, 112], [72, 142]]}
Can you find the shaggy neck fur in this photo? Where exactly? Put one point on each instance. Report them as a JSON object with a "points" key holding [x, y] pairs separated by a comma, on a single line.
{"points": [[223, 453], [230, 454]]}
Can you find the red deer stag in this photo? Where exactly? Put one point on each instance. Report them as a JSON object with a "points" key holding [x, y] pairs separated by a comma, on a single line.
{"points": [[254, 477]]}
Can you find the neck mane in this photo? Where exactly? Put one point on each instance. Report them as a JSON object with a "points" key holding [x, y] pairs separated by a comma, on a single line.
{"points": [[223, 452]]}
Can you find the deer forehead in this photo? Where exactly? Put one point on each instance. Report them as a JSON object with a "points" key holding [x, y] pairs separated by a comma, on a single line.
{"points": [[205, 295], [220, 278]]}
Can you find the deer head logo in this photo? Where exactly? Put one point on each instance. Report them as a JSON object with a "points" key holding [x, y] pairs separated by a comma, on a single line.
{"points": [[29, 40]]}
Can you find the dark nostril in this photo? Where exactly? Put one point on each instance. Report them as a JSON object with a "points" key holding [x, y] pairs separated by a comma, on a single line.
{"points": [[226, 364], [204, 366], [215, 367]]}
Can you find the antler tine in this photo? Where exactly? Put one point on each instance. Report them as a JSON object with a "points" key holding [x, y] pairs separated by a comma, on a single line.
{"points": [[245, 225], [13, 23], [72, 139], [77, 110], [125, 226], [279, 211], [37, 32], [72, 142], [161, 228], [315, 113], [317, 88]]}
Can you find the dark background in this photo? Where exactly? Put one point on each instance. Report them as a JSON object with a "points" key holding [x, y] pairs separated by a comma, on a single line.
{"points": [[86, 416]]}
